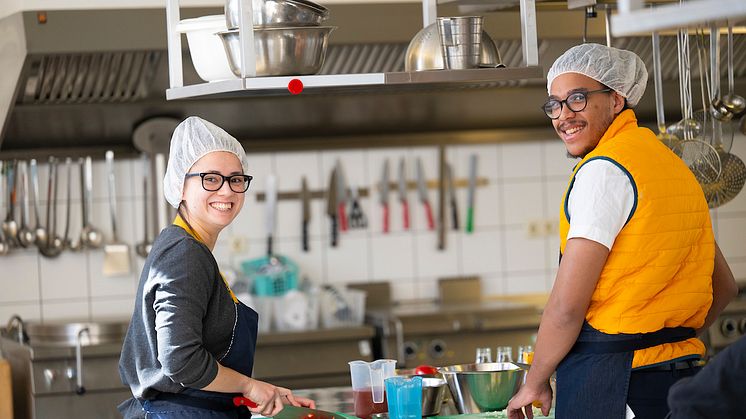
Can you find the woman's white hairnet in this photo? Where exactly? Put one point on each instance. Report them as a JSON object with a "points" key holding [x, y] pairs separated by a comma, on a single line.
{"points": [[193, 138], [618, 69]]}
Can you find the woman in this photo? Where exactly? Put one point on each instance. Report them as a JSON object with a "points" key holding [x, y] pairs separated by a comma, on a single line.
{"points": [[190, 345]]}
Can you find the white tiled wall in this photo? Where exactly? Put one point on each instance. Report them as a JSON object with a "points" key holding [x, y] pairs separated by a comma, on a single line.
{"points": [[525, 182]]}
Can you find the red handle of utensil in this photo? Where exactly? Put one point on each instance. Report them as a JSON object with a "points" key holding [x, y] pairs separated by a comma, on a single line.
{"points": [[243, 401], [430, 220], [385, 218], [405, 213], [342, 216]]}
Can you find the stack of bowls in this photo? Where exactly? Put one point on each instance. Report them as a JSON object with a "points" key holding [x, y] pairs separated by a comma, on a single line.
{"points": [[288, 36]]}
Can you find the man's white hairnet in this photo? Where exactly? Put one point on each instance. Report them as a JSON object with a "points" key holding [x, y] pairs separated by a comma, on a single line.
{"points": [[620, 70], [193, 138]]}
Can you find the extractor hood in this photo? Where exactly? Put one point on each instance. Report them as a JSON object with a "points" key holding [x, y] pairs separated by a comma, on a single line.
{"points": [[90, 77]]}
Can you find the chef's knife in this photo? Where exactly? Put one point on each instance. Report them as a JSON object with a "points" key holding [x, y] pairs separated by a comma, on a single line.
{"points": [[403, 192], [341, 196], [331, 206], [452, 197], [292, 412], [384, 198], [470, 195], [305, 198], [422, 191]]}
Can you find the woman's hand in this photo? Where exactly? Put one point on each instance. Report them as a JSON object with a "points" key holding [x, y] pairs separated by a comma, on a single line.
{"points": [[522, 401], [296, 400], [267, 397]]}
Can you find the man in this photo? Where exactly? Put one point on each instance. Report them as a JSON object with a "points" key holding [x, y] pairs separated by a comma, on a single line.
{"points": [[640, 273]]}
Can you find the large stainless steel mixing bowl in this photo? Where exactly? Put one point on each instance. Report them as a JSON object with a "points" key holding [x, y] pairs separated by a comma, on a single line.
{"points": [[278, 13], [478, 388], [426, 53], [281, 51]]}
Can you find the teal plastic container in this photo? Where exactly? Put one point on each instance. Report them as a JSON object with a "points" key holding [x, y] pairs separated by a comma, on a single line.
{"points": [[271, 276]]}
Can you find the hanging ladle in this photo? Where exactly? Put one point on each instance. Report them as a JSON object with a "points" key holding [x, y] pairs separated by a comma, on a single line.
{"points": [[4, 247], [736, 104], [143, 248], [39, 232], [54, 244], [89, 235], [26, 236], [67, 242], [668, 139], [718, 110], [10, 227]]}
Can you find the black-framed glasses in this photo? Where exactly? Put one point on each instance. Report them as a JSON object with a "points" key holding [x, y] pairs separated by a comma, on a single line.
{"points": [[214, 181], [575, 101]]}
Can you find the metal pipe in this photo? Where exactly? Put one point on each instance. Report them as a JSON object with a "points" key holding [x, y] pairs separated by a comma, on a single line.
{"points": [[79, 387]]}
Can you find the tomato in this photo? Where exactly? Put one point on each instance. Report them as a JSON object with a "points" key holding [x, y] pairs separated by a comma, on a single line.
{"points": [[425, 370]]}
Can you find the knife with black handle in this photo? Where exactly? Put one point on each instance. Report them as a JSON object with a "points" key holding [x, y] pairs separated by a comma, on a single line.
{"points": [[306, 210], [331, 207]]}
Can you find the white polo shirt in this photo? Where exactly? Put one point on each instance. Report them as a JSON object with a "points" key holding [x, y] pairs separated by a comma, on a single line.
{"points": [[600, 202]]}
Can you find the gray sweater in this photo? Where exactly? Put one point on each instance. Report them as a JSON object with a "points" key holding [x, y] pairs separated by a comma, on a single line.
{"points": [[183, 319]]}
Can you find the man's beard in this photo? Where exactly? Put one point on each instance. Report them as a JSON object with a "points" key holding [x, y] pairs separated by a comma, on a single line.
{"points": [[606, 124]]}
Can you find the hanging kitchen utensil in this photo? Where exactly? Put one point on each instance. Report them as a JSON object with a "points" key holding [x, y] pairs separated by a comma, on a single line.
{"points": [[383, 198], [686, 128], [4, 248], [402, 189], [718, 110], [305, 199], [452, 198], [422, 192], [90, 236], [357, 217], [160, 217], [116, 253], [67, 239], [143, 248], [10, 227], [331, 207], [270, 211], [441, 198], [40, 234], [26, 236], [54, 245], [666, 138], [341, 196], [736, 104], [471, 193]]}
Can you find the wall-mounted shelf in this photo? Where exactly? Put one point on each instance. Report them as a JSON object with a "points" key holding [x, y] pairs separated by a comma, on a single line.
{"points": [[356, 82], [674, 16], [248, 85]]}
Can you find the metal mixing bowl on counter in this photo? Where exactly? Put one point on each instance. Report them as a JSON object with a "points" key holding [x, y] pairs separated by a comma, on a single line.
{"points": [[278, 13], [478, 388], [281, 51]]}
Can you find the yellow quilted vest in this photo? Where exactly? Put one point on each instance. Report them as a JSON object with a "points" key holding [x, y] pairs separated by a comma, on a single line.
{"points": [[659, 270]]}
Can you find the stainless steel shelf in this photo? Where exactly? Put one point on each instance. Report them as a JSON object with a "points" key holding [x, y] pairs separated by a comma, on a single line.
{"points": [[258, 86], [675, 16]]}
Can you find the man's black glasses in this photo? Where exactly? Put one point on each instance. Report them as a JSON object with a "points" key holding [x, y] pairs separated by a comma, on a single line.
{"points": [[575, 101], [214, 181]]}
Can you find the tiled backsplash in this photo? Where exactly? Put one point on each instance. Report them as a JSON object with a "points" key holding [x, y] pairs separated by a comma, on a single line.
{"points": [[513, 248]]}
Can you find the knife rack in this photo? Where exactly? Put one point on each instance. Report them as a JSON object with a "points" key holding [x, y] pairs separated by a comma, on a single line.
{"points": [[365, 192]]}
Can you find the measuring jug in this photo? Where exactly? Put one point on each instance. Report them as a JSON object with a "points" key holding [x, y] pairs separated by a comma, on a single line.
{"points": [[368, 387]]}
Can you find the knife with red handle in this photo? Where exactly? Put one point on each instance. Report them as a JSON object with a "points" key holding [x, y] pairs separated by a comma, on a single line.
{"points": [[243, 401]]}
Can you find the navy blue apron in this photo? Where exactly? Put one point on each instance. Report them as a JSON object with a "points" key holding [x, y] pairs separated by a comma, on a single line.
{"points": [[593, 379], [196, 404]]}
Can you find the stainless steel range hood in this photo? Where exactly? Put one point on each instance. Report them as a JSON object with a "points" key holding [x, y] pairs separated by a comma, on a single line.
{"points": [[90, 77]]}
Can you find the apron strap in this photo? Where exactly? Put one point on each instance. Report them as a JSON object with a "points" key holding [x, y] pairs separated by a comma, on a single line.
{"points": [[630, 343]]}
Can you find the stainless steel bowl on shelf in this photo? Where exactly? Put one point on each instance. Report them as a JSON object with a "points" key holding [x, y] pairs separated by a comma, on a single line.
{"points": [[425, 51], [278, 13], [479, 388], [281, 51]]}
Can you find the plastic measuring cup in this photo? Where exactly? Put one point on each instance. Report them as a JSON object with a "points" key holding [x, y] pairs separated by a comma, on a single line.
{"points": [[368, 385], [404, 397]]}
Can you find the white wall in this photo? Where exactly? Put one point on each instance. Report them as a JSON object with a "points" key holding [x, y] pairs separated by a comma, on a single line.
{"points": [[525, 185]]}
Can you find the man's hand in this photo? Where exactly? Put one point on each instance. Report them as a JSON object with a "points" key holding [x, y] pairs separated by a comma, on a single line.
{"points": [[523, 400]]}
